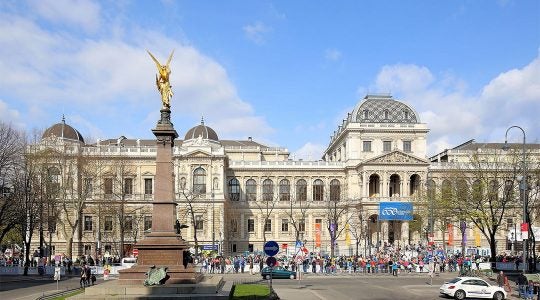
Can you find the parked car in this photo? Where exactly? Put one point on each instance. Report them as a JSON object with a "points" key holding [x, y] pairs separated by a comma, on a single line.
{"points": [[471, 287], [277, 272]]}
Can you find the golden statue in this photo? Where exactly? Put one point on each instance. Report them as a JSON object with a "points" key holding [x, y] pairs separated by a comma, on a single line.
{"points": [[162, 80]]}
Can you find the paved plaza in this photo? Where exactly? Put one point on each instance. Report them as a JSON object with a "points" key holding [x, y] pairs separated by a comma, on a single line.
{"points": [[332, 287]]}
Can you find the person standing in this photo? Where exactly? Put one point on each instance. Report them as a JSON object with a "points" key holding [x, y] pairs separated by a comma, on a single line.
{"points": [[500, 279], [251, 265]]}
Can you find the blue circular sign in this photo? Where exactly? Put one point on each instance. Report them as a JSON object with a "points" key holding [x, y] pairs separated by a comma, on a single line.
{"points": [[271, 248]]}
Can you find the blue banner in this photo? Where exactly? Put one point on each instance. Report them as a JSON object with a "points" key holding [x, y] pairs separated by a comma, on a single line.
{"points": [[395, 211]]}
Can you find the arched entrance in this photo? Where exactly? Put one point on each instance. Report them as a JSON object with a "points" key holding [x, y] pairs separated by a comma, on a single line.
{"points": [[374, 185]]}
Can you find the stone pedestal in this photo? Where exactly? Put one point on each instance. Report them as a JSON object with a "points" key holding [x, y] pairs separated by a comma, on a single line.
{"points": [[163, 247]]}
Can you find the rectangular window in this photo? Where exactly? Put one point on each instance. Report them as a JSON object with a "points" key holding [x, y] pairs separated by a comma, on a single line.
{"points": [[387, 146], [128, 186], [88, 249], [366, 146], [199, 222], [108, 186], [147, 223], [128, 223], [302, 225], [148, 188], [108, 249], [318, 221], [88, 223], [268, 225], [88, 188], [233, 248], [108, 223], [407, 146], [285, 225], [510, 224], [251, 225]]}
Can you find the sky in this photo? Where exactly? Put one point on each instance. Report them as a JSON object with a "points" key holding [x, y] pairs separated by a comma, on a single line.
{"points": [[283, 72]]}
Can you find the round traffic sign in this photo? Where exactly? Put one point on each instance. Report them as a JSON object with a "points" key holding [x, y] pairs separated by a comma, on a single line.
{"points": [[271, 248], [135, 252], [271, 261]]}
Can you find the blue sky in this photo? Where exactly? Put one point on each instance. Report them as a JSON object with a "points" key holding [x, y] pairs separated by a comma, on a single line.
{"points": [[284, 72]]}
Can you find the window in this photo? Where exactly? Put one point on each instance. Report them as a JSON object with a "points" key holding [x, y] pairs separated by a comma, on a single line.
{"points": [[88, 187], [234, 225], [509, 224], [251, 190], [405, 115], [88, 223], [318, 221], [268, 225], [199, 225], [233, 248], [301, 190], [284, 190], [386, 114], [335, 190], [302, 225], [147, 223], [108, 186], [108, 248], [366, 114], [108, 223], [285, 225], [128, 223], [88, 249], [318, 190], [128, 186], [148, 187], [199, 181], [366, 146], [250, 247], [234, 189], [407, 146], [251, 225], [387, 146], [268, 190]]}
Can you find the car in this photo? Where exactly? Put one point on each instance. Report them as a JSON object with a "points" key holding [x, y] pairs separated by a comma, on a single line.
{"points": [[277, 272], [472, 287]]}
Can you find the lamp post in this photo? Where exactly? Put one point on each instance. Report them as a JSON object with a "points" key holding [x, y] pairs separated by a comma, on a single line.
{"points": [[522, 189]]}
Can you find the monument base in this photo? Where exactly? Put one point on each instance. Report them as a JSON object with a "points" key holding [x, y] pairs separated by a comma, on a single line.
{"points": [[160, 249]]}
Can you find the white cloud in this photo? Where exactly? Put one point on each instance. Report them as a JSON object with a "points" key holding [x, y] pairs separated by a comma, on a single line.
{"points": [[10, 115], [84, 13], [309, 151], [256, 32], [455, 115], [332, 54]]}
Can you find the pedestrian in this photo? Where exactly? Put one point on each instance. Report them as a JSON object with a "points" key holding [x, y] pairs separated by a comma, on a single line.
{"points": [[251, 265], [82, 281], [500, 279], [395, 268]]}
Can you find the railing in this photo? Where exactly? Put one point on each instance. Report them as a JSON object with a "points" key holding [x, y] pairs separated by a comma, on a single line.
{"points": [[58, 294], [287, 163]]}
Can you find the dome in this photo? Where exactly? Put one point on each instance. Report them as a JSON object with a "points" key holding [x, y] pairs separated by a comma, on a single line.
{"points": [[202, 130], [383, 109], [64, 131]]}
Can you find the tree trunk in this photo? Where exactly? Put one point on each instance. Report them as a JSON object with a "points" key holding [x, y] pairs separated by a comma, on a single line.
{"points": [[27, 258], [69, 247], [492, 247]]}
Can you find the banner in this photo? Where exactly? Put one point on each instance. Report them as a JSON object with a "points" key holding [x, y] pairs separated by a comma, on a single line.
{"points": [[391, 211], [450, 228], [347, 235], [477, 237], [317, 234]]}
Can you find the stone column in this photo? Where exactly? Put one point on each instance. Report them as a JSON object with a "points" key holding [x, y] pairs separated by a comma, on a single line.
{"points": [[405, 232], [384, 232], [242, 227]]}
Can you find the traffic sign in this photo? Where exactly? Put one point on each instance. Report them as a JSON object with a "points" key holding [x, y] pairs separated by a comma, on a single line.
{"points": [[271, 248], [271, 261], [135, 252]]}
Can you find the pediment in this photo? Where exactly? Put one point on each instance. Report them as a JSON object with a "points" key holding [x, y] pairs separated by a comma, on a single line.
{"points": [[396, 157], [198, 153]]}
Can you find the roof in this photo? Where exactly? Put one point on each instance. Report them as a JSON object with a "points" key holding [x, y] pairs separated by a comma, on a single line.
{"points": [[203, 131], [383, 109], [63, 131]]}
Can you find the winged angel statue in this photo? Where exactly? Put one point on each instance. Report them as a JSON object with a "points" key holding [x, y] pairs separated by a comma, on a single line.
{"points": [[162, 80]]}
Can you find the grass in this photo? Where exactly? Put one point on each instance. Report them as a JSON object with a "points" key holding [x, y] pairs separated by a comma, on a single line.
{"points": [[69, 295], [251, 291]]}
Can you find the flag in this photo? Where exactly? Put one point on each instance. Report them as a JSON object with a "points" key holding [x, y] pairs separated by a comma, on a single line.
{"points": [[450, 228], [317, 234], [347, 235], [477, 237]]}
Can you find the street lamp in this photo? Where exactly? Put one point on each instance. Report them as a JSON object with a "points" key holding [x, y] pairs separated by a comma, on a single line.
{"points": [[522, 188]]}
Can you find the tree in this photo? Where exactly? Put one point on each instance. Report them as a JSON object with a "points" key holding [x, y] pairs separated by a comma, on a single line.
{"points": [[196, 213], [297, 211]]}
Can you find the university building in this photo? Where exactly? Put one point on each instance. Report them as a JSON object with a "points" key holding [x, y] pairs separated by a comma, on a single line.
{"points": [[236, 194]]}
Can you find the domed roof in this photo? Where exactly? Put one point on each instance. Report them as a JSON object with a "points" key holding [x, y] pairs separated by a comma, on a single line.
{"points": [[383, 109], [201, 130], [64, 131]]}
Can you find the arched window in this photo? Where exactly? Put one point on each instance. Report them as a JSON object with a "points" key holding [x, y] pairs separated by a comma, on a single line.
{"points": [[394, 186], [335, 190], [268, 190], [234, 189], [251, 190], [301, 190], [318, 190], [386, 114], [446, 191], [199, 181], [374, 185], [284, 190], [53, 181], [366, 114]]}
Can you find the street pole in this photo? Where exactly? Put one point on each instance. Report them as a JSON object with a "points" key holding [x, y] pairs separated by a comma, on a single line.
{"points": [[213, 220], [522, 189]]}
